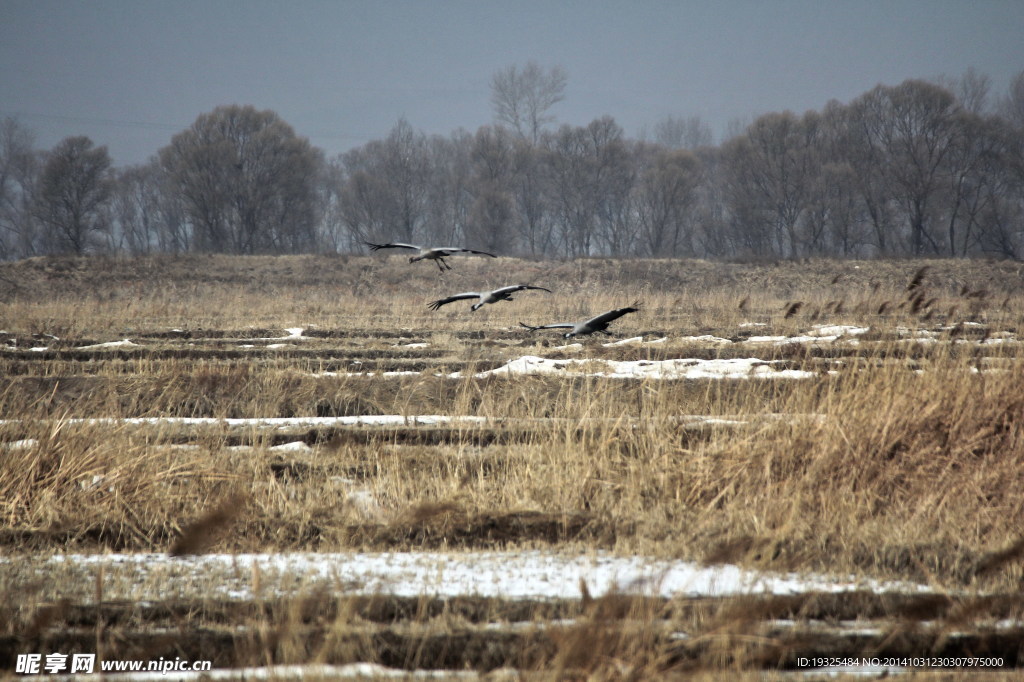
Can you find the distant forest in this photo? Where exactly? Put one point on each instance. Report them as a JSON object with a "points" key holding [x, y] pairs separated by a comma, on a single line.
{"points": [[917, 169]]}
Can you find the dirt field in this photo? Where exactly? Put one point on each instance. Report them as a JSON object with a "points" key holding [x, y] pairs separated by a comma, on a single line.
{"points": [[860, 419]]}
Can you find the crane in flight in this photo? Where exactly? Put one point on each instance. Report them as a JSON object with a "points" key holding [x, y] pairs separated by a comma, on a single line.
{"points": [[587, 327], [436, 254], [502, 294]]}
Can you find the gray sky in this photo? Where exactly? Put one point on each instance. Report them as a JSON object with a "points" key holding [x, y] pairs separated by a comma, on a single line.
{"points": [[132, 73]]}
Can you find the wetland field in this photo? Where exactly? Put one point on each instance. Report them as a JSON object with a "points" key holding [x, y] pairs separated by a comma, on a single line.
{"points": [[291, 467]]}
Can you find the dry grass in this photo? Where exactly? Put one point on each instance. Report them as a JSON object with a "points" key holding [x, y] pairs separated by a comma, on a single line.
{"points": [[902, 473], [901, 461]]}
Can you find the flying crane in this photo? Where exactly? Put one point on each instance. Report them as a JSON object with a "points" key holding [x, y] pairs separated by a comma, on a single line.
{"points": [[502, 294], [591, 326], [437, 254]]}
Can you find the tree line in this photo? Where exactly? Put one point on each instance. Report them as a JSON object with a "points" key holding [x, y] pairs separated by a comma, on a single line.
{"points": [[920, 168]]}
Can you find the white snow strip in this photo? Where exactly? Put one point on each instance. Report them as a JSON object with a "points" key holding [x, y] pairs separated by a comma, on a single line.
{"points": [[706, 338], [383, 421], [634, 340], [767, 339], [992, 341], [625, 342], [276, 422], [292, 334], [510, 575], [817, 334], [837, 330], [688, 368], [297, 446], [125, 343], [23, 444]]}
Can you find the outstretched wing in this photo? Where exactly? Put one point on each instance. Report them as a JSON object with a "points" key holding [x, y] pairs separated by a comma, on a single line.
{"points": [[391, 245], [448, 250], [451, 299], [606, 318], [504, 291], [557, 325]]}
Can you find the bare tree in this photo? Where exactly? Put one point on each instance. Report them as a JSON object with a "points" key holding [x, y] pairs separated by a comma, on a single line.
{"points": [[74, 189], [772, 167], [571, 188], [664, 197], [1011, 105], [1000, 223], [489, 221], [971, 90], [871, 171], [18, 172], [332, 220], [147, 215], [836, 212], [711, 234], [682, 133], [523, 98], [493, 158], [900, 143], [385, 194], [449, 181], [614, 177], [916, 132], [248, 181], [533, 215], [590, 182]]}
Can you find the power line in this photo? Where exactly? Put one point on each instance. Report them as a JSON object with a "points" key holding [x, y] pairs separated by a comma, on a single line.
{"points": [[61, 118], [154, 125]]}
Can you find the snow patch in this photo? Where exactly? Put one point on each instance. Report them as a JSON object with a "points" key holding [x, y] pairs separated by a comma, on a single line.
{"points": [[685, 368], [510, 575], [297, 446], [23, 444], [634, 340], [706, 338], [817, 334], [124, 343], [625, 342]]}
